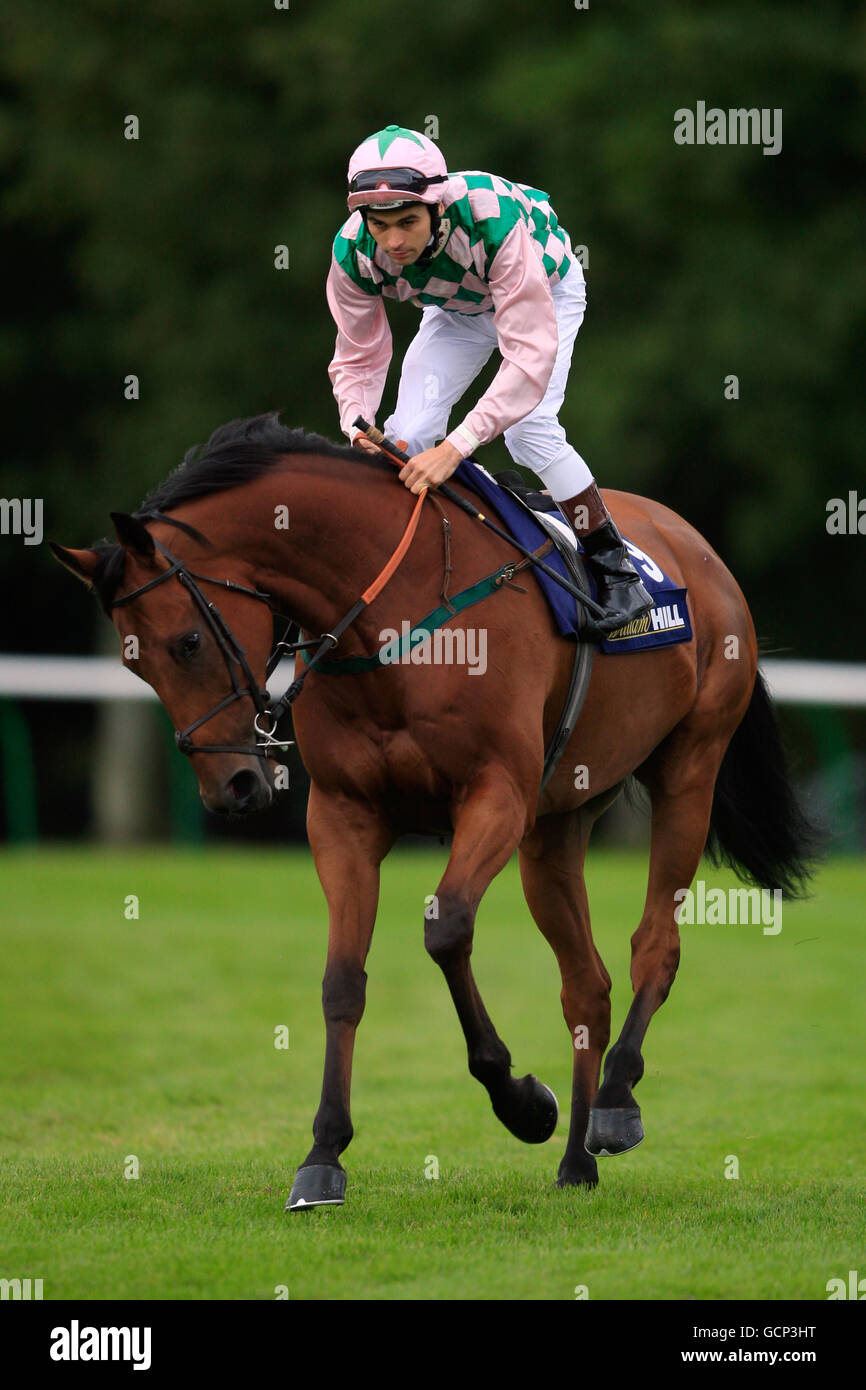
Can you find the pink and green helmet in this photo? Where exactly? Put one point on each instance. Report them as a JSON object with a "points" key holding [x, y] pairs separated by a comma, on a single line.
{"points": [[396, 166]]}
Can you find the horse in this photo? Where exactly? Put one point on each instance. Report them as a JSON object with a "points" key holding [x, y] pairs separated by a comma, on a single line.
{"points": [[286, 521]]}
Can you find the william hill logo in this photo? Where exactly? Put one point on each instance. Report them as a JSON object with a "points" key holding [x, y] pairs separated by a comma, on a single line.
{"points": [[667, 617], [663, 619], [636, 628]]}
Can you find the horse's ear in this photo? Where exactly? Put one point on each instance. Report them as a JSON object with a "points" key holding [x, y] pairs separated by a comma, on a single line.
{"points": [[82, 563], [133, 534]]}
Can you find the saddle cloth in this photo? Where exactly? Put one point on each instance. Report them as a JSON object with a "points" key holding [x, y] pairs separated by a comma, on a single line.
{"points": [[666, 623]]}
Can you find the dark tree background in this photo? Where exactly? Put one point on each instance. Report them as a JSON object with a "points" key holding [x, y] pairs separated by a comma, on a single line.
{"points": [[155, 256]]}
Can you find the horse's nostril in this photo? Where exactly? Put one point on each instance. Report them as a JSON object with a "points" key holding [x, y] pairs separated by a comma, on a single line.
{"points": [[242, 786]]}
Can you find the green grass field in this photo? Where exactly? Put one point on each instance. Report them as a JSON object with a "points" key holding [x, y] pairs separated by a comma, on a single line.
{"points": [[154, 1038]]}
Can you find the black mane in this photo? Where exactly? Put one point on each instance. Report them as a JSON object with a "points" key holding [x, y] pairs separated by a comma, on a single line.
{"points": [[236, 453]]}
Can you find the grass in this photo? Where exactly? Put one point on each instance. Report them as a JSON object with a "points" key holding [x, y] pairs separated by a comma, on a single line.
{"points": [[153, 1038]]}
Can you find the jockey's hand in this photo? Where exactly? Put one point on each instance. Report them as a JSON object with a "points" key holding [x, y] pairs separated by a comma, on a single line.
{"points": [[431, 467], [366, 445]]}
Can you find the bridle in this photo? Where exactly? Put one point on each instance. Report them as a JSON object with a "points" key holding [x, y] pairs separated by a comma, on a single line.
{"points": [[233, 653], [234, 657]]}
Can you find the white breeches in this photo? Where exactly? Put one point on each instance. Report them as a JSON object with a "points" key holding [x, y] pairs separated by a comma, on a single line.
{"points": [[446, 355]]}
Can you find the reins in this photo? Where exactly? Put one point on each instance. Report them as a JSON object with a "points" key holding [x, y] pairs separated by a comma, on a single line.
{"points": [[234, 655], [329, 639], [397, 456]]}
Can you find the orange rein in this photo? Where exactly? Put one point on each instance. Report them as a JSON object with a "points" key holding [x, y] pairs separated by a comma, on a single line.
{"points": [[382, 579]]}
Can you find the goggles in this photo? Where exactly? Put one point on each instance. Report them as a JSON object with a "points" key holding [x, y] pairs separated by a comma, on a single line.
{"points": [[396, 180]]}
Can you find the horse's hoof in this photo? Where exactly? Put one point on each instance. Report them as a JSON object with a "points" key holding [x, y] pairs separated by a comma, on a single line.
{"points": [[320, 1185], [612, 1132], [529, 1109], [574, 1178]]}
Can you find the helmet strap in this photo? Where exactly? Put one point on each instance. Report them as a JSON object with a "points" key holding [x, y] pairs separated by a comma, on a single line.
{"points": [[435, 222]]}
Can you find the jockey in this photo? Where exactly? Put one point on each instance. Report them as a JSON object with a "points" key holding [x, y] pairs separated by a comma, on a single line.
{"points": [[489, 266]]}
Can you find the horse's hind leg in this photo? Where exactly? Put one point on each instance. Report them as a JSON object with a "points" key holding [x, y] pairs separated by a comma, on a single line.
{"points": [[551, 866], [680, 777], [488, 826]]}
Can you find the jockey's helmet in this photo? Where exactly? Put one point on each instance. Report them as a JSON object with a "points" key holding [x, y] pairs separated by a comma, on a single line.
{"points": [[396, 166]]}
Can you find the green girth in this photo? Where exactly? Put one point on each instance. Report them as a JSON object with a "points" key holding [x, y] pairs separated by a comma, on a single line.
{"points": [[391, 652]]}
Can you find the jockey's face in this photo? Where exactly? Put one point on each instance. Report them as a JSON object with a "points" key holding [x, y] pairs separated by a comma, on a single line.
{"points": [[402, 233]]}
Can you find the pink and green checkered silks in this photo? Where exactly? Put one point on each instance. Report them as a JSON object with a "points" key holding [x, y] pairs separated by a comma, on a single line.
{"points": [[500, 249]]}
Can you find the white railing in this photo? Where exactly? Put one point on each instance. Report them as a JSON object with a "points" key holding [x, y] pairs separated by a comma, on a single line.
{"points": [[816, 682], [89, 678], [104, 678]]}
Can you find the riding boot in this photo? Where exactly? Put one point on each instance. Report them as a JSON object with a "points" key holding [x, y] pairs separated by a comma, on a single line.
{"points": [[620, 591]]}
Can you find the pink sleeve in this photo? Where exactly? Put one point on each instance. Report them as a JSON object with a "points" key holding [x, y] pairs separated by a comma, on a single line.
{"points": [[363, 349], [525, 319]]}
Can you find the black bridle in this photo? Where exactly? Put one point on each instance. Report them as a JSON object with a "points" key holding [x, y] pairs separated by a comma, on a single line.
{"points": [[235, 658], [233, 653]]}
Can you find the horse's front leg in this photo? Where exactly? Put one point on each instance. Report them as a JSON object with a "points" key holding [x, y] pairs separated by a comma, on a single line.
{"points": [[349, 842], [488, 826]]}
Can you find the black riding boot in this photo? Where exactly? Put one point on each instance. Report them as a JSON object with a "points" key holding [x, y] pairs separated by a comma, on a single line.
{"points": [[620, 591]]}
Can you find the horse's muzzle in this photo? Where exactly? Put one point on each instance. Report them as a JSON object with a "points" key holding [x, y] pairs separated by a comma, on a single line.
{"points": [[247, 790]]}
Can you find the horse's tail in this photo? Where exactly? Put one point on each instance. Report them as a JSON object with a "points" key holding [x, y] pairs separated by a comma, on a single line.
{"points": [[757, 826]]}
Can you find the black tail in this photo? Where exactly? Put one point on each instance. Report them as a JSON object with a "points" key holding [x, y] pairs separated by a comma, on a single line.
{"points": [[757, 826]]}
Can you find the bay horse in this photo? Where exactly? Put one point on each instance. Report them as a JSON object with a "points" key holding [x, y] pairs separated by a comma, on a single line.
{"points": [[446, 750]]}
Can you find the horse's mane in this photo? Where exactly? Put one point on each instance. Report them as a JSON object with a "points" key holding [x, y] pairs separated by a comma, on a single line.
{"points": [[236, 453]]}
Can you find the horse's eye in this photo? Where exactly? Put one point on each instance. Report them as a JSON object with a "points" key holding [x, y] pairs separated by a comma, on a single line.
{"points": [[189, 645]]}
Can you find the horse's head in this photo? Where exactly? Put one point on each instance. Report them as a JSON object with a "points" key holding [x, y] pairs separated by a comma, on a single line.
{"points": [[200, 634]]}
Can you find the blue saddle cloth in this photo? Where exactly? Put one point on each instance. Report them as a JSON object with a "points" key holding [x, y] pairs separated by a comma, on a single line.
{"points": [[666, 623]]}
